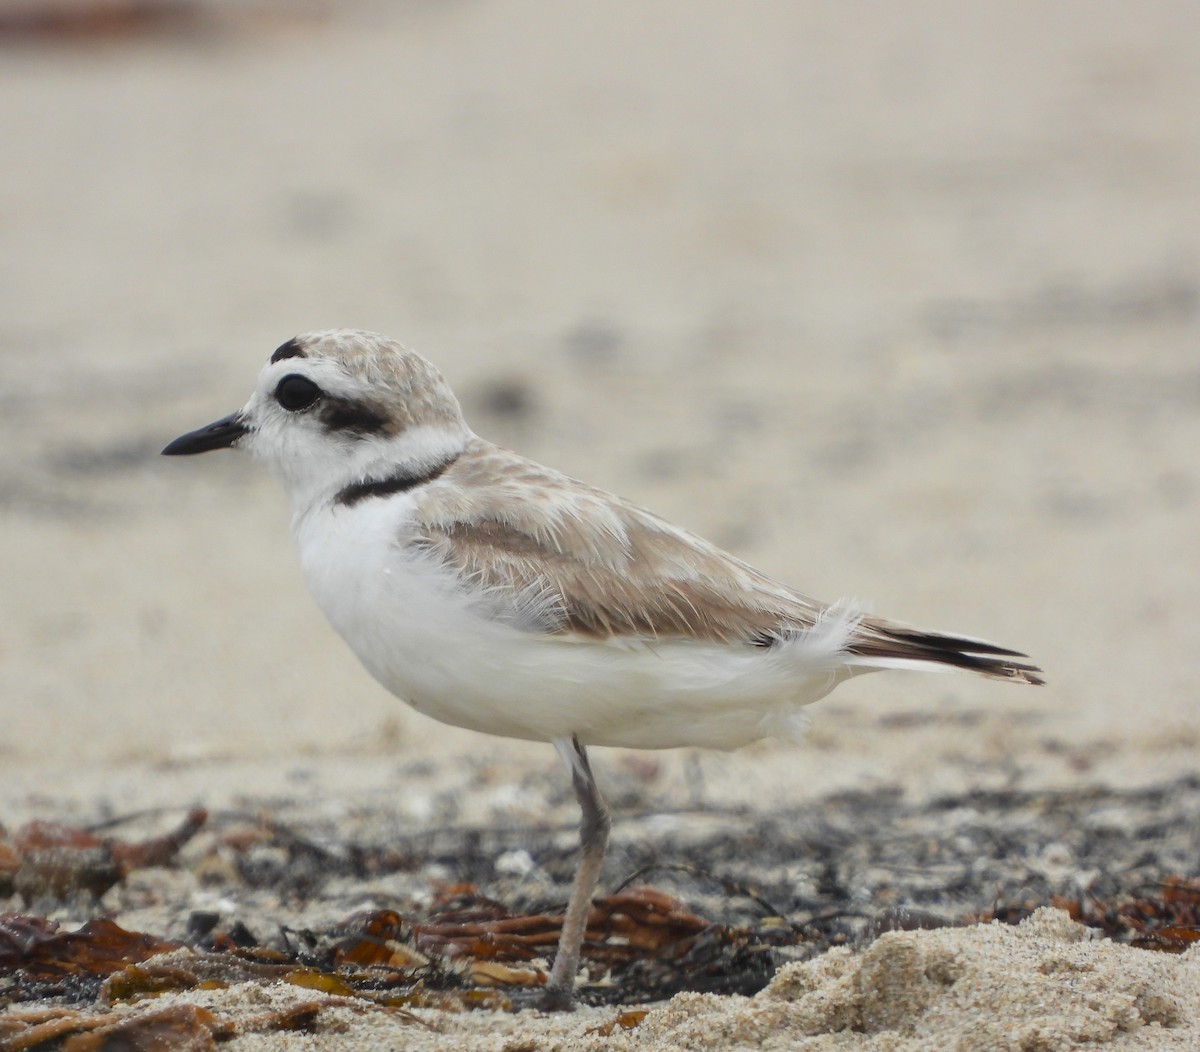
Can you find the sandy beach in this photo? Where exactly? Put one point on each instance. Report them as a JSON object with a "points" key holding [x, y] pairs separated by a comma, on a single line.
{"points": [[899, 304]]}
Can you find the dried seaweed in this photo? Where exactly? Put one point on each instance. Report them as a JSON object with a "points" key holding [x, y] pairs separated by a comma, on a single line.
{"points": [[178, 1028], [1167, 919], [50, 860], [746, 893]]}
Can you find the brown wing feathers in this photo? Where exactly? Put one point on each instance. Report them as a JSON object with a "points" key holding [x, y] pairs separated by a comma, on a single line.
{"points": [[608, 568], [598, 601]]}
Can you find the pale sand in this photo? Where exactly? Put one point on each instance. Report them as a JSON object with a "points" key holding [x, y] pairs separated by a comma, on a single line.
{"points": [[1044, 986], [895, 303]]}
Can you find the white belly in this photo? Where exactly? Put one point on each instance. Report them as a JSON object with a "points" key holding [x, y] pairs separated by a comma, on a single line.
{"points": [[432, 643]]}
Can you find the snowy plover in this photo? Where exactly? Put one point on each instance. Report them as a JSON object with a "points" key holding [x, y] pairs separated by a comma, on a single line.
{"points": [[492, 593]]}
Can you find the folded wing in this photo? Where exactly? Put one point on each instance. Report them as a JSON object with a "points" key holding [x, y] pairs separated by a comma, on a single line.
{"points": [[593, 567]]}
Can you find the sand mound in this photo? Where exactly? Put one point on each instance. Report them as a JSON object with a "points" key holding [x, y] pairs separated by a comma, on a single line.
{"points": [[1042, 986]]}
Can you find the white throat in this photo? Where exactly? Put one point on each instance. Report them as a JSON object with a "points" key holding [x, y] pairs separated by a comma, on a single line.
{"points": [[313, 469]]}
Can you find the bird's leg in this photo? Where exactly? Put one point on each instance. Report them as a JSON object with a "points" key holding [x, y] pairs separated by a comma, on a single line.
{"points": [[559, 993]]}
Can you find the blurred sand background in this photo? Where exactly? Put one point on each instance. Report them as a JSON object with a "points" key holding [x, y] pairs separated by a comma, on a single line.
{"points": [[899, 302]]}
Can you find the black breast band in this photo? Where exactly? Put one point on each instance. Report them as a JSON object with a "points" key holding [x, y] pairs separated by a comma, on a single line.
{"points": [[400, 482]]}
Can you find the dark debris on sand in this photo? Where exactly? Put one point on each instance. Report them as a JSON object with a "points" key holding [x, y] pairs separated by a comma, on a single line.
{"points": [[714, 903]]}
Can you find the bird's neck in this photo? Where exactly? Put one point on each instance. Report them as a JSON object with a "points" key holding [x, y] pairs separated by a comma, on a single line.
{"points": [[372, 469]]}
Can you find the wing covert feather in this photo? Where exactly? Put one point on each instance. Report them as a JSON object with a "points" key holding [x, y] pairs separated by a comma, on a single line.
{"points": [[604, 567]]}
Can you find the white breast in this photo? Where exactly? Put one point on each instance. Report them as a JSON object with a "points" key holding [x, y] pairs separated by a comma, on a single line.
{"points": [[436, 643]]}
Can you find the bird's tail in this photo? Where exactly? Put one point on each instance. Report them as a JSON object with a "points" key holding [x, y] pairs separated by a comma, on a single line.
{"points": [[885, 644]]}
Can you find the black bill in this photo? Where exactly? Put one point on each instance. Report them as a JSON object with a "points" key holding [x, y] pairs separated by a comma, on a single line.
{"points": [[220, 434]]}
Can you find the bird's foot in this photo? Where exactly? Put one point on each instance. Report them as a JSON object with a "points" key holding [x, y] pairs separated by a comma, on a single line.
{"points": [[557, 998]]}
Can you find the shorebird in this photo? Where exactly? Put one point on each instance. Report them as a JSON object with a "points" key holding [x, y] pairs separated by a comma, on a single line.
{"points": [[492, 593]]}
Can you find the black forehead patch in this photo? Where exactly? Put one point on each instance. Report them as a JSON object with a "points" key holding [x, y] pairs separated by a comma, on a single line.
{"points": [[358, 418], [291, 349]]}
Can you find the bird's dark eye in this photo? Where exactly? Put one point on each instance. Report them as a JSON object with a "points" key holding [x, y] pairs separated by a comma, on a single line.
{"points": [[296, 392]]}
